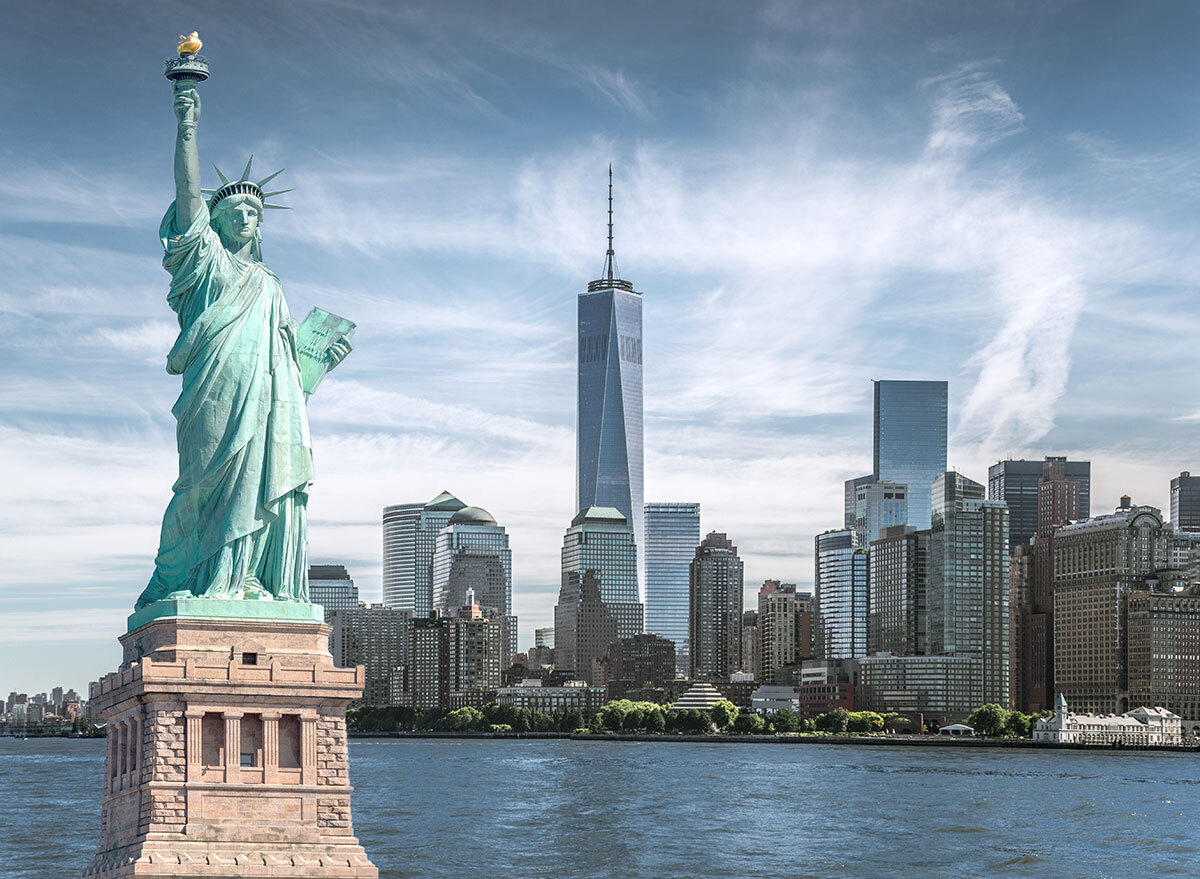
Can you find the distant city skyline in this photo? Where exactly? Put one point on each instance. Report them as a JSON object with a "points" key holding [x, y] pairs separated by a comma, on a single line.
{"points": [[998, 199]]}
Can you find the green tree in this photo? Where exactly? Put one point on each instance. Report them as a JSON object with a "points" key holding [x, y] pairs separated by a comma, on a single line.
{"points": [[656, 720], [785, 721], [691, 721], [749, 723], [570, 720], [723, 714], [1017, 724], [835, 721], [988, 720], [864, 722]]}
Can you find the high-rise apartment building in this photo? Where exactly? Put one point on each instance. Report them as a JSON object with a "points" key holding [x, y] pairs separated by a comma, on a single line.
{"points": [[409, 534], [608, 434], [331, 587], [472, 555], [672, 534], [840, 597], [377, 638], [784, 629], [899, 571], [601, 542], [751, 642], [1016, 483], [1097, 564], [967, 609], [452, 657], [910, 440], [878, 505], [716, 579], [641, 662], [1185, 503], [1164, 652]]}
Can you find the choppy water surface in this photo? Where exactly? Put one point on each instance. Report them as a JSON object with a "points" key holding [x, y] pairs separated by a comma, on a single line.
{"points": [[467, 808]]}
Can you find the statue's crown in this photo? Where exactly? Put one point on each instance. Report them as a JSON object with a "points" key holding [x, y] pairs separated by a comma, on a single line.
{"points": [[245, 186]]}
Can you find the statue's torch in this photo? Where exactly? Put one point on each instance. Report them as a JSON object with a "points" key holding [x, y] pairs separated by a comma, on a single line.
{"points": [[188, 67]]}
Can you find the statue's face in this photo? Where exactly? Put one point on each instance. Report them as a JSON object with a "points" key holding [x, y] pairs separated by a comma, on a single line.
{"points": [[238, 222]]}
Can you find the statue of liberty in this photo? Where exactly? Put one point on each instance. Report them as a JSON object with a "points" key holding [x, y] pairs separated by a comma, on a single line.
{"points": [[236, 526]]}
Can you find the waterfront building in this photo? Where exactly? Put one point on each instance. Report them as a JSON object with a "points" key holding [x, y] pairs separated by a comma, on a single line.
{"points": [[642, 662], [532, 695], [1097, 564], [840, 597], [672, 533], [472, 555], [715, 627], [941, 687], [897, 586], [600, 542], [769, 698], [1140, 727], [409, 534], [331, 587], [1164, 652], [1185, 502], [608, 427], [1016, 483], [910, 440], [377, 638], [453, 659], [784, 629], [584, 626], [878, 505], [968, 585]]}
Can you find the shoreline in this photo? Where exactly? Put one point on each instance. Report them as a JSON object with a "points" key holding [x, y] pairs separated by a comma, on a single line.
{"points": [[733, 739]]}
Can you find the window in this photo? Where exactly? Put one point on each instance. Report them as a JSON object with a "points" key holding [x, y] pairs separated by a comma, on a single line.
{"points": [[289, 742], [212, 740], [249, 659], [251, 740]]}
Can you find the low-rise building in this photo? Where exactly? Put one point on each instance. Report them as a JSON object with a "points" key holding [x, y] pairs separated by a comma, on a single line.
{"points": [[1142, 726], [770, 698], [548, 700], [943, 687]]}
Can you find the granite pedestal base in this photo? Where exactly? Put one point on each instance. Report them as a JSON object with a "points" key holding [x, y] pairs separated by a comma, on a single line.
{"points": [[227, 752]]}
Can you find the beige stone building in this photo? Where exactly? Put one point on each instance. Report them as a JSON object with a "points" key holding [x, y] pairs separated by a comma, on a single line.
{"points": [[1164, 652]]}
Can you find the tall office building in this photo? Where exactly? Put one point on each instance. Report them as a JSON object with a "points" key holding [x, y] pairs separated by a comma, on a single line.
{"points": [[968, 587], [784, 629], [840, 598], [584, 627], [471, 555], [910, 440], [608, 432], [851, 498], [331, 587], [544, 637], [1016, 483], [1098, 563], [672, 533], [1185, 502], [878, 505], [409, 533], [600, 542], [899, 569], [715, 580]]}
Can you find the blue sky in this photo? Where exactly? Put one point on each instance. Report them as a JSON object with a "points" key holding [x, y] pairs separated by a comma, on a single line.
{"points": [[810, 195]]}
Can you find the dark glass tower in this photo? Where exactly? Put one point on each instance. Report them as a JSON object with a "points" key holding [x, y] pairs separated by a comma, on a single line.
{"points": [[910, 441], [608, 426]]}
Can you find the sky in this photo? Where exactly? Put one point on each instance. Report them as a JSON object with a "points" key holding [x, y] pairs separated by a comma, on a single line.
{"points": [[809, 195]]}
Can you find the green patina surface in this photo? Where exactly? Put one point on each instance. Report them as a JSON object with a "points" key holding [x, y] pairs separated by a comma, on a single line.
{"points": [[227, 608]]}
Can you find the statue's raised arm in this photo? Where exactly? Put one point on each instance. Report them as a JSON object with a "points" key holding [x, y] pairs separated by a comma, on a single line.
{"points": [[188, 198]]}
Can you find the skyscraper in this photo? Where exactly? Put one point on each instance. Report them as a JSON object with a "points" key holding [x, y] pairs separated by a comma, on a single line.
{"points": [[878, 505], [600, 542], [1185, 502], [471, 554], [1016, 483], [784, 629], [672, 534], [409, 533], [715, 632], [331, 587], [840, 575], [376, 637], [608, 431], [899, 571], [910, 440]]}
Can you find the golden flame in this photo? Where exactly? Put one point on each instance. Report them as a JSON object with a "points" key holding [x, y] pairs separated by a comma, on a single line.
{"points": [[190, 44]]}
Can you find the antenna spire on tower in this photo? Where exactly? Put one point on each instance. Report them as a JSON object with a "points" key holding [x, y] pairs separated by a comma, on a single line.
{"points": [[611, 277], [610, 262]]}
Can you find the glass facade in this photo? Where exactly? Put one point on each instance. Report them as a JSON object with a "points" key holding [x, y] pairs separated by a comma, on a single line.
{"points": [[600, 543], [331, 587], [409, 534], [1016, 483], [910, 440], [672, 535], [878, 505], [1185, 502], [608, 435], [841, 595]]}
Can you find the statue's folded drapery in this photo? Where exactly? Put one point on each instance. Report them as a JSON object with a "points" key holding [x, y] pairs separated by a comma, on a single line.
{"points": [[237, 518]]}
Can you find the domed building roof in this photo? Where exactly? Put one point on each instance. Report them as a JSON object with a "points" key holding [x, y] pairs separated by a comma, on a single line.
{"points": [[472, 516]]}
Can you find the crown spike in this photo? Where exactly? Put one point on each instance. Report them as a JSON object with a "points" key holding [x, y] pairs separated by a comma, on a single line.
{"points": [[224, 179], [277, 207], [269, 178], [276, 192], [246, 173]]}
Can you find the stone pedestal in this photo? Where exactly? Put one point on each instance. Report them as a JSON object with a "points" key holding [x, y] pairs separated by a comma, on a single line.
{"points": [[227, 750]]}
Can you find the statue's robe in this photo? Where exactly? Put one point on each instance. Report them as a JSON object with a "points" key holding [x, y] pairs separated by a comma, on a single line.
{"points": [[237, 518]]}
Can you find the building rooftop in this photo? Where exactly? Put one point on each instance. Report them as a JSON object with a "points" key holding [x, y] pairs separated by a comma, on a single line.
{"points": [[472, 516], [445, 501]]}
